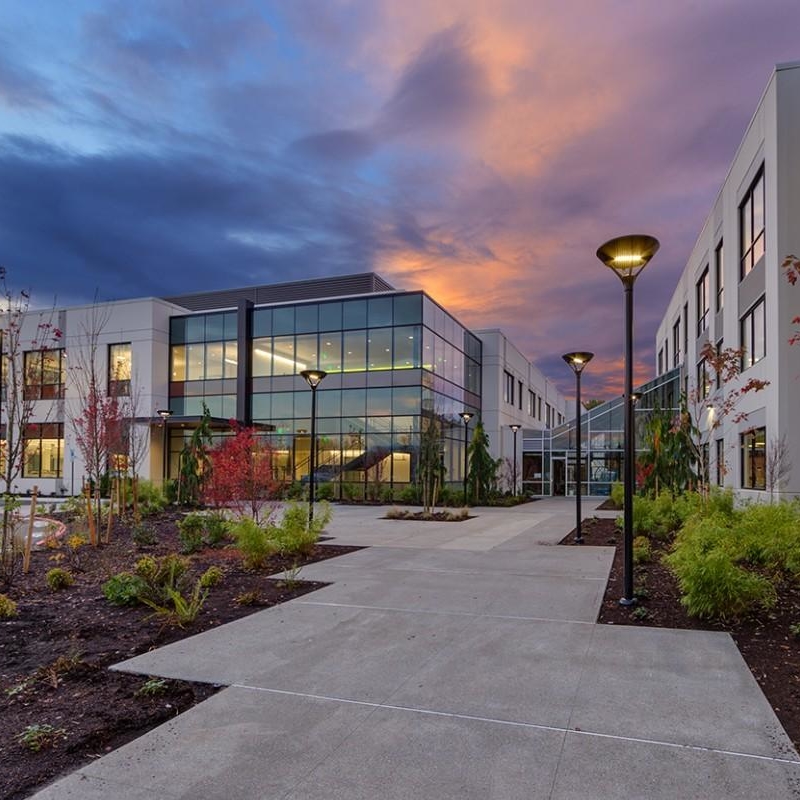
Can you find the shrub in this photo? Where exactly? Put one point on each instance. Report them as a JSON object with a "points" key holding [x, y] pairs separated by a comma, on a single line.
{"points": [[324, 491], [618, 494], [58, 578], [35, 737], [408, 495], [642, 551], [190, 533], [143, 535], [8, 608], [151, 687], [151, 499], [254, 542], [252, 598], [123, 589], [177, 609], [353, 492], [211, 577], [294, 534], [216, 530], [295, 491]]}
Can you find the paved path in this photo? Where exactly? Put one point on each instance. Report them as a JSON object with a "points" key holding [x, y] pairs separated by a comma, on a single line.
{"points": [[453, 660]]}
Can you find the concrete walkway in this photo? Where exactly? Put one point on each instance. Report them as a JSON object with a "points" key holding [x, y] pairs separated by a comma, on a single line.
{"points": [[453, 660]]}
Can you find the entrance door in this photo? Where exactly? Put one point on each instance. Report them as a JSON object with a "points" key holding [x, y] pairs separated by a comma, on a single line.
{"points": [[559, 477]]}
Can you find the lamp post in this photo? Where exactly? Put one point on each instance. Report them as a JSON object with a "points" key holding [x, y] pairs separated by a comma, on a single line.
{"points": [[578, 361], [627, 256], [165, 414], [515, 428], [466, 416], [313, 378]]}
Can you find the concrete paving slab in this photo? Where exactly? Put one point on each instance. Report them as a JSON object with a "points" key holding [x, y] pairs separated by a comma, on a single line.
{"points": [[513, 670], [237, 745], [703, 691], [397, 756], [540, 597], [353, 653], [600, 767]]}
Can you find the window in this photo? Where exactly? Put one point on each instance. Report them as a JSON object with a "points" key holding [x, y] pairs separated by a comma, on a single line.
{"points": [[119, 370], [660, 360], [703, 381], [754, 459], [44, 449], [44, 374], [519, 395], [751, 225], [508, 391], [549, 417], [685, 327], [539, 408], [702, 302], [721, 462], [718, 375], [676, 343], [753, 335], [719, 277], [531, 403]]}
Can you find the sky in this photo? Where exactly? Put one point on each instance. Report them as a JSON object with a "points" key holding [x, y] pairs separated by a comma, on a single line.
{"points": [[480, 150]]}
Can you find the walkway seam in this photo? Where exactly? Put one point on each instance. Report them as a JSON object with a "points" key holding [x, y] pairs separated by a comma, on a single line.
{"points": [[517, 724]]}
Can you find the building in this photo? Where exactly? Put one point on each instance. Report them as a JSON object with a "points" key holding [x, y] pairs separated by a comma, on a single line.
{"points": [[733, 293], [394, 360]]}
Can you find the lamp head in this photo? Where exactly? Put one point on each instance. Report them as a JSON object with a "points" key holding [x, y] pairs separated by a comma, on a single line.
{"points": [[636, 397], [313, 377], [515, 428], [466, 416], [628, 255], [164, 413], [578, 360]]}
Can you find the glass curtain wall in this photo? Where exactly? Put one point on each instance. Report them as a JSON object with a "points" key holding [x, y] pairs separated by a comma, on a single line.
{"points": [[548, 461]]}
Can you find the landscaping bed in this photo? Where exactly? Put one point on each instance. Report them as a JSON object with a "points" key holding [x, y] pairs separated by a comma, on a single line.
{"points": [[54, 683], [765, 639]]}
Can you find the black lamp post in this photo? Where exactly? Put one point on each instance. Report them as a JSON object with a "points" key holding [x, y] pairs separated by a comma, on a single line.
{"points": [[466, 416], [515, 428], [165, 414], [628, 256], [578, 361], [313, 378]]}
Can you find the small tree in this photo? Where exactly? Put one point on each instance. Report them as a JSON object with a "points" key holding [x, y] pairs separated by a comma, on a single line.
{"points": [[791, 267], [195, 462], [19, 403], [778, 465], [482, 478], [431, 462], [666, 463], [241, 473]]}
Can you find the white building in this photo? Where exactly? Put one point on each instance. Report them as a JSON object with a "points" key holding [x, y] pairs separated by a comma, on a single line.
{"points": [[733, 293]]}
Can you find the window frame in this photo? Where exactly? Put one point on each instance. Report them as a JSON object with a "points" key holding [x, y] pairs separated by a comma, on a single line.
{"points": [[747, 215], [719, 277], [747, 330], [119, 387], [747, 444], [702, 300], [38, 389]]}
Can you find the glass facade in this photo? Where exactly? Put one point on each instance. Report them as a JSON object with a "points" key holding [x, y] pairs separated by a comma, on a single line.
{"points": [[391, 361], [548, 459]]}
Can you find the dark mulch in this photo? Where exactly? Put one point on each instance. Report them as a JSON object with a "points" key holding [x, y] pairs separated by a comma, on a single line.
{"points": [[609, 505], [765, 640], [436, 516], [54, 654]]}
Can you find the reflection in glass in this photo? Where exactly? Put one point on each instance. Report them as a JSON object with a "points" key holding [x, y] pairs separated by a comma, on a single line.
{"points": [[380, 349]]}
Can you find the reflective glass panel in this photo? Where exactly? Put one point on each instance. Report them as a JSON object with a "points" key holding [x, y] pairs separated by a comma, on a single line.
{"points": [[354, 353], [407, 346], [215, 353], [231, 364], [306, 351], [330, 316], [330, 351], [379, 344], [283, 361], [195, 356]]}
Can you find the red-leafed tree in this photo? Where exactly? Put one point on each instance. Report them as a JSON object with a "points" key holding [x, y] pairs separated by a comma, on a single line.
{"points": [[242, 475]]}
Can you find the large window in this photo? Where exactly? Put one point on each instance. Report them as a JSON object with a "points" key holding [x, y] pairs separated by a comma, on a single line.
{"points": [[751, 225], [754, 459], [719, 276], [531, 403], [44, 450], [508, 388], [721, 470], [44, 374], [676, 343], [753, 335], [703, 381], [701, 292], [119, 369]]}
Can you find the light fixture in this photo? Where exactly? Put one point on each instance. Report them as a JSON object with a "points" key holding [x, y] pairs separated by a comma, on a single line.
{"points": [[578, 362], [628, 256], [165, 414], [313, 377], [515, 428], [466, 416]]}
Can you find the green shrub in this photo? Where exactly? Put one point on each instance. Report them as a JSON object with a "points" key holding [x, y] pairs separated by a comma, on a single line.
{"points": [[143, 535], [211, 577], [408, 495], [151, 499], [642, 551], [295, 491], [124, 589], [353, 492], [325, 491], [769, 536], [190, 533], [618, 494], [58, 579], [160, 576], [179, 610], [216, 530], [8, 608], [254, 543], [151, 687], [35, 737], [294, 535]]}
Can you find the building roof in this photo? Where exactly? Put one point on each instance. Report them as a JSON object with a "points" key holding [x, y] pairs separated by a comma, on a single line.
{"points": [[295, 291]]}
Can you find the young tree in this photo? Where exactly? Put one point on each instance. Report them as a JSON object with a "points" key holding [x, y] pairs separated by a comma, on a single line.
{"points": [[136, 436], [791, 267], [431, 462], [778, 465], [241, 473], [195, 462], [482, 477], [666, 464], [17, 379]]}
